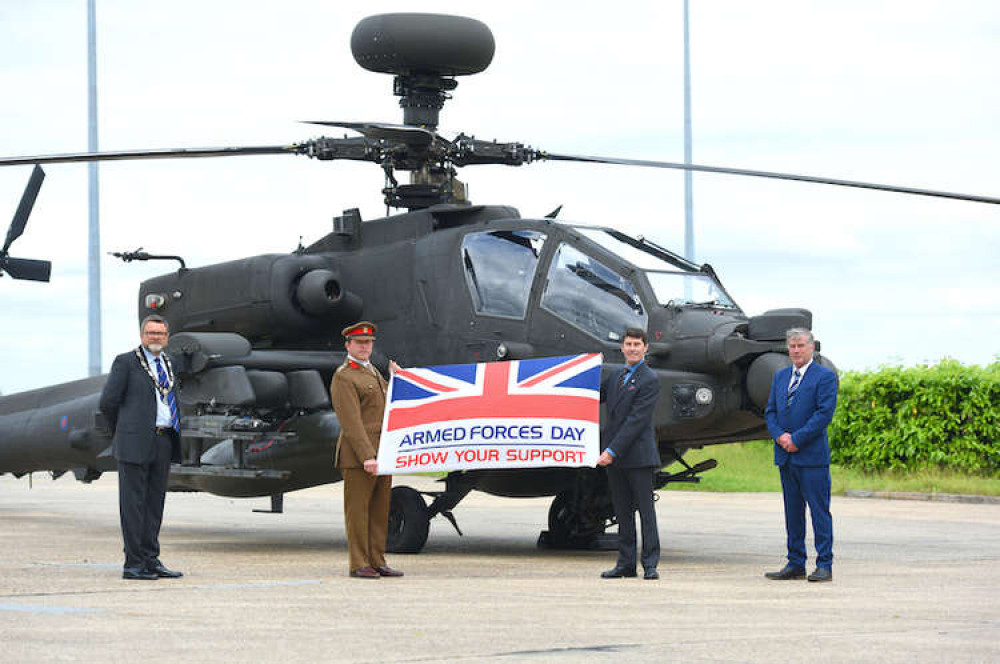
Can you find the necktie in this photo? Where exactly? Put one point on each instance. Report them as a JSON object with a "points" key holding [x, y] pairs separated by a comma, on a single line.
{"points": [[161, 378], [621, 381], [796, 378]]}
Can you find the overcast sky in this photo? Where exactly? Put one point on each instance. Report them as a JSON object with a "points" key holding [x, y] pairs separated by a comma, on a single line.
{"points": [[903, 92]]}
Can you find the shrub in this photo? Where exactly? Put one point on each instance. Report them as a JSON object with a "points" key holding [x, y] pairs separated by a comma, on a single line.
{"points": [[898, 418]]}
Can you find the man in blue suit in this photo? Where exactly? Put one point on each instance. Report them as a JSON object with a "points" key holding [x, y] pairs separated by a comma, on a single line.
{"points": [[799, 409], [139, 402], [630, 453]]}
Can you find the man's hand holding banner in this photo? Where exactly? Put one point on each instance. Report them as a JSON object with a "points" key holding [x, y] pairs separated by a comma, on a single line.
{"points": [[518, 414]]}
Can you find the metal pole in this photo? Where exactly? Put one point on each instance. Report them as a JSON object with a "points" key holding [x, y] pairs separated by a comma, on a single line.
{"points": [[688, 192], [94, 243]]}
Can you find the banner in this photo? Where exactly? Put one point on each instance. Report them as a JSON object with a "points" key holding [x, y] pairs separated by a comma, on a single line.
{"points": [[518, 414]]}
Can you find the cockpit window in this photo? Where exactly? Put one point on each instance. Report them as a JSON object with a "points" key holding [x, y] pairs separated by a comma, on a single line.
{"points": [[685, 289], [499, 268], [590, 295], [675, 280]]}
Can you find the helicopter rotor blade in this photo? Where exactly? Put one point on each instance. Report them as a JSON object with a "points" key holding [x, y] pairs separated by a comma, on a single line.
{"points": [[767, 174], [464, 151], [169, 153], [20, 219], [26, 268]]}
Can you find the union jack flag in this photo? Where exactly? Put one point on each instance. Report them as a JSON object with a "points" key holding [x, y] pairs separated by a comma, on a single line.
{"points": [[547, 388]]}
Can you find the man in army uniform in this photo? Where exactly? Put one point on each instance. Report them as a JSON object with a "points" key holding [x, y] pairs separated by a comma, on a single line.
{"points": [[358, 395]]}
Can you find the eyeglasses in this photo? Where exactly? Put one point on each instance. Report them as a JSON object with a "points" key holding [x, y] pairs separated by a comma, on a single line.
{"points": [[148, 333]]}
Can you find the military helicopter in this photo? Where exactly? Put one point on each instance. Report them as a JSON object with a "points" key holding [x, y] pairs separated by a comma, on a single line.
{"points": [[255, 340]]}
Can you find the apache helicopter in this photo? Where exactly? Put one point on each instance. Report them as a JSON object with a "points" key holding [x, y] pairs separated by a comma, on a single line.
{"points": [[255, 340]]}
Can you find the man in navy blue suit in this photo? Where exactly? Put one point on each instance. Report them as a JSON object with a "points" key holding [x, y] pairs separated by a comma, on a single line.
{"points": [[139, 401], [630, 453], [799, 409]]}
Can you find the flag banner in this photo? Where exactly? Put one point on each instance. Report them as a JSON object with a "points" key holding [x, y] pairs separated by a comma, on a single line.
{"points": [[519, 414]]}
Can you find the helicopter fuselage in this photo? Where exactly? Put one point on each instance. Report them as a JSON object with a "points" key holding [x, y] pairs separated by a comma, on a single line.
{"points": [[255, 343], [449, 284]]}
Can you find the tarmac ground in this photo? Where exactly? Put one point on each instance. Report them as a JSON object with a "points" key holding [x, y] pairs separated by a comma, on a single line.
{"points": [[913, 581]]}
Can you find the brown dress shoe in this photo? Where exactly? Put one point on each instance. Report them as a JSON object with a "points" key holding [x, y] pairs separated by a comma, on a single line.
{"points": [[365, 573], [385, 570]]}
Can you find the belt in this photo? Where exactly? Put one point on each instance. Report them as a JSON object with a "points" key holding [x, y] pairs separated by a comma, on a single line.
{"points": [[161, 431]]}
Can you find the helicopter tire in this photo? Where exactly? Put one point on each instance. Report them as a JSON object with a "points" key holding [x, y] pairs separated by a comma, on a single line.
{"points": [[567, 529], [561, 517], [409, 521]]}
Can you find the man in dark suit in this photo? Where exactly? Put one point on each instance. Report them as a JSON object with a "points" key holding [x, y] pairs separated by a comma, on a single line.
{"points": [[629, 451], [139, 402], [799, 409]]}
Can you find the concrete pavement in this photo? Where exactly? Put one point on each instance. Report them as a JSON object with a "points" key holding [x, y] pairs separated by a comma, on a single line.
{"points": [[914, 581]]}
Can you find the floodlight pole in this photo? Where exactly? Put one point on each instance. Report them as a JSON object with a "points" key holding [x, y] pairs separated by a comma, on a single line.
{"points": [[94, 237], [688, 192]]}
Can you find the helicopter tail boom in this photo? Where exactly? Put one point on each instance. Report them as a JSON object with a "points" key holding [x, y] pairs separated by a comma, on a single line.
{"points": [[54, 428]]}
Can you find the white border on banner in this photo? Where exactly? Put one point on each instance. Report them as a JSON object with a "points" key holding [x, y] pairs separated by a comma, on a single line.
{"points": [[489, 444]]}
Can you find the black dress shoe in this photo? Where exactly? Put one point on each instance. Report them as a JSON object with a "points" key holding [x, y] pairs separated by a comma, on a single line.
{"points": [[787, 573], [650, 574], [822, 574], [162, 572], [138, 574], [618, 573]]}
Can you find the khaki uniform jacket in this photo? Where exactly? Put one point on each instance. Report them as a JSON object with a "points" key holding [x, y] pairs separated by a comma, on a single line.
{"points": [[358, 396]]}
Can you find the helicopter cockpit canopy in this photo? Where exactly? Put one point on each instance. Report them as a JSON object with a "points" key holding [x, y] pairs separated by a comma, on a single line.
{"points": [[675, 281], [600, 294]]}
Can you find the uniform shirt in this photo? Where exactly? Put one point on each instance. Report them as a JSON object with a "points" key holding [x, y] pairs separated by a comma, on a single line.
{"points": [[366, 365]]}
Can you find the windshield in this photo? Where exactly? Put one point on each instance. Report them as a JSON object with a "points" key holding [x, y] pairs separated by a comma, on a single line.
{"points": [[684, 288], [675, 280]]}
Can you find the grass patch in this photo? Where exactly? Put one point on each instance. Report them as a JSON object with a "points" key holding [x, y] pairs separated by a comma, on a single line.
{"points": [[749, 467]]}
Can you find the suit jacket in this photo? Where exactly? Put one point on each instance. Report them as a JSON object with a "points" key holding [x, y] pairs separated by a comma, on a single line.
{"points": [[806, 419], [628, 429], [128, 403], [358, 397]]}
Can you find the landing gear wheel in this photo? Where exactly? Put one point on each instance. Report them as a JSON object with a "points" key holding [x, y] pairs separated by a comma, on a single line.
{"points": [[575, 526], [409, 521], [562, 519]]}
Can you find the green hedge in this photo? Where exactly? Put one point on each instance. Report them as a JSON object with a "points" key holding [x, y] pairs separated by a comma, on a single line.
{"points": [[897, 418]]}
